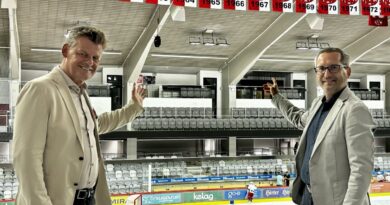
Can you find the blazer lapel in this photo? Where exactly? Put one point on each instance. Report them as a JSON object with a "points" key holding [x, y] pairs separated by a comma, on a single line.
{"points": [[330, 118], [68, 101]]}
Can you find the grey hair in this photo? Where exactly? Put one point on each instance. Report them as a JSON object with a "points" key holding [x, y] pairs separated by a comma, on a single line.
{"points": [[93, 34], [344, 57]]}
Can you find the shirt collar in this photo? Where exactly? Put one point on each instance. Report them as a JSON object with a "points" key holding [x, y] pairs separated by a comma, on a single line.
{"points": [[328, 105], [72, 85]]}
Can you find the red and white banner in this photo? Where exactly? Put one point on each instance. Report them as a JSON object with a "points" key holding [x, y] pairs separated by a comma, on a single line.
{"points": [[259, 5], [306, 6], [164, 2], [385, 7], [282, 5], [264, 5], [151, 1], [253, 5], [328, 7], [345, 7], [350, 7], [370, 7], [191, 3], [216, 4], [229, 4], [240, 5], [178, 2], [377, 21], [210, 4], [204, 4]]}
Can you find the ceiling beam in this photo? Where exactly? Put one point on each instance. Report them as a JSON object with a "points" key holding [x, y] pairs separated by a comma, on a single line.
{"points": [[366, 43], [135, 60], [241, 63], [14, 49]]}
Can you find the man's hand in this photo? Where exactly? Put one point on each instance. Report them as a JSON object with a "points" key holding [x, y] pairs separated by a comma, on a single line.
{"points": [[138, 94], [273, 88]]}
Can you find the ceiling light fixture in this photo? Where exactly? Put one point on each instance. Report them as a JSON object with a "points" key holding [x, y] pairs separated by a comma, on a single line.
{"points": [[58, 50], [311, 43], [207, 38], [195, 40], [286, 60], [168, 55]]}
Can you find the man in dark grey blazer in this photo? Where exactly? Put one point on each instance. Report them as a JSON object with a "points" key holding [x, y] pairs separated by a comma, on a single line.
{"points": [[335, 154]]}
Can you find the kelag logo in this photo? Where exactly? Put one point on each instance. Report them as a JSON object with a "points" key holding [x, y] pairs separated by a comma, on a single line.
{"points": [[203, 196]]}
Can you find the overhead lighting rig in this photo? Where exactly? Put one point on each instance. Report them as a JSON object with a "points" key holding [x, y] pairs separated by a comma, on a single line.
{"points": [[207, 38], [311, 43]]}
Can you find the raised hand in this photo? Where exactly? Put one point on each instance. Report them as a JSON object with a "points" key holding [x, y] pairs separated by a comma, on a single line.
{"points": [[273, 88], [138, 94]]}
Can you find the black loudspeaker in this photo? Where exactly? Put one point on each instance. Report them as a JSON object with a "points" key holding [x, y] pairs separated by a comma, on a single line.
{"points": [[115, 91], [115, 80], [116, 97], [157, 41]]}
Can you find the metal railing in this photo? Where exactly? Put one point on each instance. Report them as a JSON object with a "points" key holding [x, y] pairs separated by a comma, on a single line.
{"points": [[6, 121]]}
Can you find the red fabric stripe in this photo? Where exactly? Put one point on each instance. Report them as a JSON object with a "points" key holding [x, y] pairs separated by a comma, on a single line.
{"points": [[151, 1], [178, 2], [204, 4], [277, 5], [253, 5], [229, 4]]}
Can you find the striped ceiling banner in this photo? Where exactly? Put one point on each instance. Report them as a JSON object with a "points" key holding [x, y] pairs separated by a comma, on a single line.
{"points": [[342, 7]]}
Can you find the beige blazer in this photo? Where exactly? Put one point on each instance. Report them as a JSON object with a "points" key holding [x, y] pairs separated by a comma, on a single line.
{"points": [[342, 158], [47, 143]]}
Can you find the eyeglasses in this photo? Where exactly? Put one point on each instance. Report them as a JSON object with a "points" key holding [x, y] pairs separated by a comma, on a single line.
{"points": [[332, 68], [85, 55]]}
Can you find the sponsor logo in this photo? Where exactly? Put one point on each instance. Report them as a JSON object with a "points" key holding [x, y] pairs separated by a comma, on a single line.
{"points": [[234, 194], [271, 192], [204, 196]]}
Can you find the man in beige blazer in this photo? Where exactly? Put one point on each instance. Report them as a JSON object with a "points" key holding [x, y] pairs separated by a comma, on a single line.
{"points": [[56, 153], [335, 154]]}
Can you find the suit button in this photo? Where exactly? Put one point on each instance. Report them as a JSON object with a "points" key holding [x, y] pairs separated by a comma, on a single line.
{"points": [[81, 158], [75, 184]]}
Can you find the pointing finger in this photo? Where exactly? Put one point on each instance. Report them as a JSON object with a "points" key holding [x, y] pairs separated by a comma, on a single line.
{"points": [[274, 81]]}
